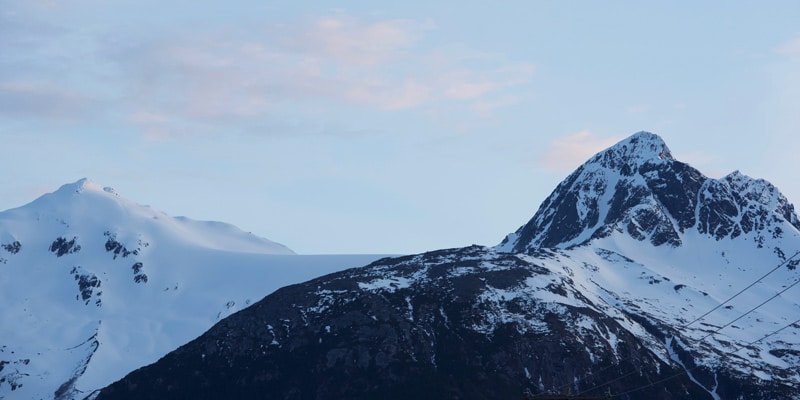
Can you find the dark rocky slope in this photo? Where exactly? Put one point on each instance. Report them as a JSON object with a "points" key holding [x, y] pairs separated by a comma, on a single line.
{"points": [[337, 337]]}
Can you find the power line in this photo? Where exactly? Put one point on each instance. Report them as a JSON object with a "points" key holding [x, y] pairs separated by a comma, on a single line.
{"points": [[706, 314], [712, 333], [753, 309], [740, 292], [686, 371]]}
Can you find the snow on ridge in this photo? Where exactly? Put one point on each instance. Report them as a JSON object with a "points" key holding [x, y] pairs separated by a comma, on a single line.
{"points": [[85, 207], [388, 284], [84, 263], [635, 150]]}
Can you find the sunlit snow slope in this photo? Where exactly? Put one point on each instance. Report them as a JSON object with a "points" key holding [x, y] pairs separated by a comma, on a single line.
{"points": [[93, 286]]}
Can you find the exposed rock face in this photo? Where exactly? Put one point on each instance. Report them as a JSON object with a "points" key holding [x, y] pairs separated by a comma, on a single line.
{"points": [[737, 204]]}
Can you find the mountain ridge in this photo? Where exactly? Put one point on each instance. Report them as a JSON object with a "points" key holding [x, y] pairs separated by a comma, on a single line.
{"points": [[94, 285], [608, 305], [87, 202]]}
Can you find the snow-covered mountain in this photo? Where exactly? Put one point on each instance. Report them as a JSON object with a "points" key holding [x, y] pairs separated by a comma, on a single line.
{"points": [[93, 286], [638, 188], [638, 275]]}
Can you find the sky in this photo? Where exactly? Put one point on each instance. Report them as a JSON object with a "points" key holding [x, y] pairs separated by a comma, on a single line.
{"points": [[384, 127]]}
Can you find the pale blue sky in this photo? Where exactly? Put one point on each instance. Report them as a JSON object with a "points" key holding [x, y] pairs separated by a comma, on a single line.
{"points": [[369, 127]]}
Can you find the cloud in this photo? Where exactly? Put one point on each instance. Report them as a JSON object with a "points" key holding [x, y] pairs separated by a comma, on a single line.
{"points": [[209, 78], [337, 58], [389, 95], [35, 99], [348, 40], [568, 152], [790, 48], [218, 74], [469, 90]]}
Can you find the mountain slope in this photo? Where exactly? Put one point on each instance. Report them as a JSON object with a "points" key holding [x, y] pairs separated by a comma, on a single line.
{"points": [[601, 290], [93, 286], [422, 326]]}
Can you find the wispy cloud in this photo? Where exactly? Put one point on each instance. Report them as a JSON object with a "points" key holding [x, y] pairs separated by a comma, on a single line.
{"points": [[347, 39], [568, 152], [338, 58], [389, 95], [35, 99], [790, 48], [216, 76]]}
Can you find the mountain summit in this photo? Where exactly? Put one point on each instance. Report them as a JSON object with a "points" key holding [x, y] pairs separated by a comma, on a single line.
{"points": [[93, 285], [630, 153], [86, 206], [635, 277], [636, 187]]}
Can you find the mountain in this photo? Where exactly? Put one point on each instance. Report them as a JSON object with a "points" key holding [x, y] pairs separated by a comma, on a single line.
{"points": [[637, 187], [624, 282], [93, 286]]}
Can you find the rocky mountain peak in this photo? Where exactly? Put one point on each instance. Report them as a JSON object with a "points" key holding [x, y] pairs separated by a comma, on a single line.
{"points": [[637, 188], [632, 152]]}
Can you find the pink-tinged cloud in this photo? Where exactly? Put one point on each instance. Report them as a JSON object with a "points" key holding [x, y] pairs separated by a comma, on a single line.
{"points": [[390, 95], [212, 77], [216, 77], [466, 84], [568, 152], [791, 48], [349, 40], [469, 90]]}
